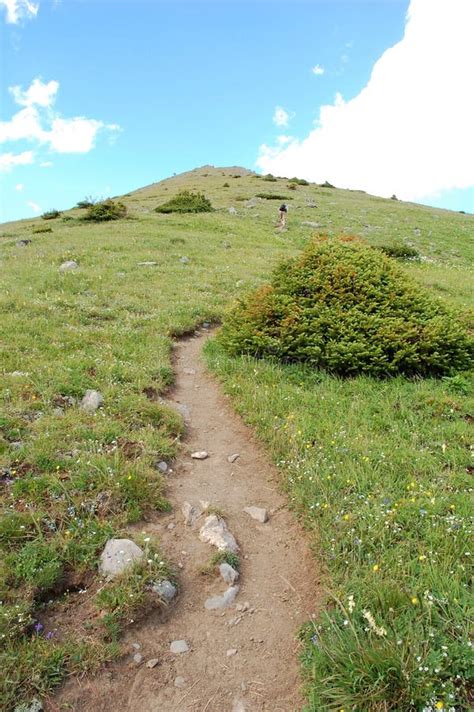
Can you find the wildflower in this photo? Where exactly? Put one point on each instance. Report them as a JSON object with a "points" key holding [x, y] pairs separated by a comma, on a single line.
{"points": [[422, 557], [351, 604], [378, 630], [440, 705], [375, 567], [129, 477], [415, 600]]}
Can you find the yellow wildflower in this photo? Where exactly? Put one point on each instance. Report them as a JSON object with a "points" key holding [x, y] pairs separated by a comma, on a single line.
{"points": [[375, 567], [415, 600]]}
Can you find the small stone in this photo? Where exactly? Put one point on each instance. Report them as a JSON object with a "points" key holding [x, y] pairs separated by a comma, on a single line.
{"points": [[136, 646], [179, 646], [91, 401], [231, 652], [19, 374], [162, 466], [214, 531], [184, 260], [200, 455], [165, 590], [68, 266], [152, 663], [232, 211], [228, 573], [171, 526], [16, 445], [233, 458], [190, 513], [224, 601], [258, 513], [118, 555], [23, 243], [137, 658], [242, 606], [34, 706], [238, 706], [179, 682]]}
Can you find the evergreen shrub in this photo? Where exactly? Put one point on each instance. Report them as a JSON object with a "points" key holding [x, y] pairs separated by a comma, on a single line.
{"points": [[186, 202], [345, 307], [105, 210]]}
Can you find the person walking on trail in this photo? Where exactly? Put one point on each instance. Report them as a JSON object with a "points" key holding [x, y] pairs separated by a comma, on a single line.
{"points": [[282, 213]]}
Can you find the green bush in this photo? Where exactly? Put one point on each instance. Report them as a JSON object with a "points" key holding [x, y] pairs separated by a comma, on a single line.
{"points": [[186, 202], [269, 178], [349, 309], [51, 215], [86, 203], [327, 184], [42, 228], [298, 181], [273, 196], [105, 210], [400, 251]]}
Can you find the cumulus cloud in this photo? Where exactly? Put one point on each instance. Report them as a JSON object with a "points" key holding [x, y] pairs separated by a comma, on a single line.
{"points": [[318, 70], [281, 117], [37, 122], [46, 164], [19, 186], [409, 131], [10, 160], [19, 10]]}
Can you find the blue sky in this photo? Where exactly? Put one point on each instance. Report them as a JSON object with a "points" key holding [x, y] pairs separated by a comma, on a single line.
{"points": [[99, 97]]}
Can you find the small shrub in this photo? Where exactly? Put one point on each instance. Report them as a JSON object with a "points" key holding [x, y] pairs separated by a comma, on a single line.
{"points": [[105, 210], [86, 203], [349, 309], [186, 202], [393, 197], [40, 228], [273, 196], [67, 218], [400, 251], [298, 181], [269, 178], [226, 185], [51, 215], [291, 186], [327, 184]]}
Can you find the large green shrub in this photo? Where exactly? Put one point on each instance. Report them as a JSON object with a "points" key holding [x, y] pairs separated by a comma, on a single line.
{"points": [[349, 309], [105, 210], [186, 202]]}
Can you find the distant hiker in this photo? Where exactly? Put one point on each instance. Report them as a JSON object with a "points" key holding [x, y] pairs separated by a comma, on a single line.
{"points": [[282, 213]]}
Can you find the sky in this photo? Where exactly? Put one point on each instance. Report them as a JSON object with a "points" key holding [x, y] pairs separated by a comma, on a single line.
{"points": [[100, 97]]}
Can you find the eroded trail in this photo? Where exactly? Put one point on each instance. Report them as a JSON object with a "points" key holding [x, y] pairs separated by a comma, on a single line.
{"points": [[239, 660]]}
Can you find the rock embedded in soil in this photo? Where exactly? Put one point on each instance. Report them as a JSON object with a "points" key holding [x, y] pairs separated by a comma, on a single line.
{"points": [[190, 513], [179, 646], [137, 658], [224, 601], [231, 652], [91, 401], [152, 663], [119, 555], [200, 455], [214, 531], [228, 573], [68, 266], [162, 466], [179, 681], [165, 590], [258, 513], [233, 458]]}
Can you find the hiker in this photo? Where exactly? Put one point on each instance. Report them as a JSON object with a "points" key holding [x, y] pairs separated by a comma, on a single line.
{"points": [[282, 213]]}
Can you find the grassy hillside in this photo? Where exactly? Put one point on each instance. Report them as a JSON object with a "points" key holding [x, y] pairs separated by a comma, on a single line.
{"points": [[378, 470]]}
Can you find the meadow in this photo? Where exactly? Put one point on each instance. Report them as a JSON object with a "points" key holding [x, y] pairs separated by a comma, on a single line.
{"points": [[379, 471]]}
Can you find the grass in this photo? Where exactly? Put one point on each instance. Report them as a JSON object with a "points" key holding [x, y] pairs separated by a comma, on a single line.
{"points": [[70, 480]]}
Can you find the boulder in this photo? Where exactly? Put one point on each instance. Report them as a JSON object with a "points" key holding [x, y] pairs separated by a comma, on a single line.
{"points": [[214, 531]]}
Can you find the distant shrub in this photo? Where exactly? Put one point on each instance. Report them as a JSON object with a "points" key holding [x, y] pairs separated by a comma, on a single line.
{"points": [[86, 203], [273, 196], [226, 185], [51, 214], [67, 218], [42, 228], [291, 186], [186, 202], [349, 309], [270, 178], [298, 181], [326, 184], [393, 197], [400, 251], [105, 210]]}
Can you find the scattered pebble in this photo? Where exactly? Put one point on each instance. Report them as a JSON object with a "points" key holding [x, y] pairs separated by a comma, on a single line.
{"points": [[179, 646], [118, 555], [258, 513], [190, 513], [233, 458], [137, 658], [231, 652], [68, 266], [223, 601], [162, 466], [152, 663], [189, 371], [200, 455], [136, 646], [179, 681]]}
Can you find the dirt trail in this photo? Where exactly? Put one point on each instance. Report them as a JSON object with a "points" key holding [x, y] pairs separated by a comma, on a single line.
{"points": [[277, 579]]}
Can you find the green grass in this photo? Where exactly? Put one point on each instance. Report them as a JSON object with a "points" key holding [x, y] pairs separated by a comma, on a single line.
{"points": [[71, 479]]}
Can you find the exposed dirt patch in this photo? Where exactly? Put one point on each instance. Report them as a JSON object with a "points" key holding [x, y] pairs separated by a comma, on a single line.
{"points": [[278, 581]]}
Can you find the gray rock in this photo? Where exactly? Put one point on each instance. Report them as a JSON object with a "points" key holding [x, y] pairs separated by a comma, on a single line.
{"points": [[16, 445], [179, 682], [233, 458], [308, 223], [23, 243], [190, 513], [165, 590], [137, 658], [91, 401], [162, 466], [231, 652], [232, 211], [153, 662], [119, 555], [258, 513], [224, 601], [68, 266], [228, 573], [200, 455], [214, 531], [34, 706], [179, 646], [184, 260], [311, 204], [252, 203]]}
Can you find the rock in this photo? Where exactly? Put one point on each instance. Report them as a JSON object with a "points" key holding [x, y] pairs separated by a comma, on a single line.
{"points": [[231, 652], [200, 455], [34, 706], [91, 401], [204, 505], [137, 658], [16, 445], [214, 531], [19, 374], [232, 211], [58, 412], [233, 458], [224, 601], [171, 526], [258, 513], [311, 204], [23, 243], [179, 646], [153, 662], [228, 573], [252, 203], [162, 466], [165, 589], [147, 264], [179, 682], [136, 646], [119, 555], [238, 706], [68, 266], [308, 223], [190, 513], [184, 260]]}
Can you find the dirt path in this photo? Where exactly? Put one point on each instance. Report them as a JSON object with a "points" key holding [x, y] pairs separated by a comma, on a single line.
{"points": [[277, 580]]}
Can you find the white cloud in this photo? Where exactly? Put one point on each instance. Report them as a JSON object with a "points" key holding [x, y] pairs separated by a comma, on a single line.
{"points": [[409, 131], [19, 9], [19, 186], [318, 70], [10, 160], [281, 117], [38, 123], [46, 164], [34, 206]]}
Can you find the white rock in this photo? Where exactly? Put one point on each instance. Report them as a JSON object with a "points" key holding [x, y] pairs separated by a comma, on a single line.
{"points": [[152, 663], [224, 601], [119, 555], [231, 652], [91, 401], [179, 646], [228, 573], [137, 658], [200, 455], [68, 266], [258, 513], [233, 458], [214, 531], [190, 513], [179, 681]]}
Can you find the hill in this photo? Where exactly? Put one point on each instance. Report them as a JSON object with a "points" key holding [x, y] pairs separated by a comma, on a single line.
{"points": [[379, 472]]}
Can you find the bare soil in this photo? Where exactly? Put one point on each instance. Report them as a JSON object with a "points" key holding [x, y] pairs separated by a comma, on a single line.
{"points": [[278, 580]]}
